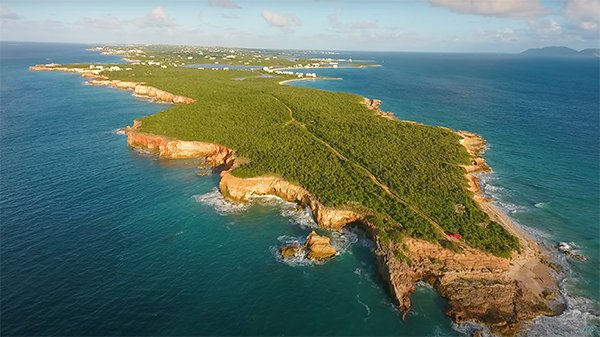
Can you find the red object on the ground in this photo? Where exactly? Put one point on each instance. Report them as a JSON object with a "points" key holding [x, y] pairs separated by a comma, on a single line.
{"points": [[455, 236]]}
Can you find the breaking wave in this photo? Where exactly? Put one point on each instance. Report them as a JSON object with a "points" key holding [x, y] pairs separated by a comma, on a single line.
{"points": [[581, 316], [216, 200]]}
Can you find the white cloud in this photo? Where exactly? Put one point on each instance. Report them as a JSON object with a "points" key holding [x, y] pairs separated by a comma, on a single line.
{"points": [[347, 27], [585, 13], [229, 4], [6, 13], [499, 35], [106, 22], [229, 16], [498, 8], [546, 30], [157, 18], [280, 20]]}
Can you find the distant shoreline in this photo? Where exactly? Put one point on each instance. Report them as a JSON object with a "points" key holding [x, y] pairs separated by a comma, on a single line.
{"points": [[284, 82]]}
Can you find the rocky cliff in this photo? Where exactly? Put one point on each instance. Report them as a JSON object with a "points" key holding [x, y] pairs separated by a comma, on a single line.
{"points": [[480, 287], [243, 189], [232, 187], [139, 88], [373, 104]]}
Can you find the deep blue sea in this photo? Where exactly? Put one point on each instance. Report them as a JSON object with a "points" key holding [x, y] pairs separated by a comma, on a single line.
{"points": [[98, 239]]}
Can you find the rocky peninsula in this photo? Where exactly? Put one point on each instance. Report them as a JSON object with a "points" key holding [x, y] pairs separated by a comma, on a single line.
{"points": [[498, 291]]}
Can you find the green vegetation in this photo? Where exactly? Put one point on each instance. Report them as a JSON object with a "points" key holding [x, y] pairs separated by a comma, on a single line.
{"points": [[176, 56], [407, 177]]}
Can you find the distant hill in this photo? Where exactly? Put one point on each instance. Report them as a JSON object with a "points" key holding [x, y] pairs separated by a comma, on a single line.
{"points": [[592, 52], [561, 52]]}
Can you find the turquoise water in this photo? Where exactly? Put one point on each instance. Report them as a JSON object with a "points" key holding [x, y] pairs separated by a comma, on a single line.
{"points": [[541, 119], [98, 239]]}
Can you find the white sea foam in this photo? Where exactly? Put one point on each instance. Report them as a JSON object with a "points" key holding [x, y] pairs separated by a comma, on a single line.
{"points": [[298, 260], [302, 217], [582, 315], [216, 200], [510, 207], [469, 328], [341, 241], [578, 320], [365, 306], [119, 132]]}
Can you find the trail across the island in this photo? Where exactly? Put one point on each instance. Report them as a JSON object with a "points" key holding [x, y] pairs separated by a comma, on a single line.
{"points": [[365, 170]]}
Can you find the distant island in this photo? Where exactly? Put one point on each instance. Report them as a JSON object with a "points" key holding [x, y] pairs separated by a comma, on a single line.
{"points": [[561, 51], [413, 188]]}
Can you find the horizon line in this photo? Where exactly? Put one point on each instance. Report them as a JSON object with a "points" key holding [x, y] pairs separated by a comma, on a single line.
{"points": [[288, 49]]}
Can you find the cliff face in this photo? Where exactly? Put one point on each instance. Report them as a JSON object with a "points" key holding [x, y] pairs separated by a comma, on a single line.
{"points": [[140, 89], [480, 287], [143, 90], [373, 104], [239, 189], [483, 287], [214, 154], [243, 189]]}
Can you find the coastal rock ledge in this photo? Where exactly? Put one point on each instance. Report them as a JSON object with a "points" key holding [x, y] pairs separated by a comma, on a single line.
{"points": [[498, 292], [139, 88]]}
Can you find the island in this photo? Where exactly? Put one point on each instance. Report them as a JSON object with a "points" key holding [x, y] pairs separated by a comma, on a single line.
{"points": [[413, 188], [555, 51]]}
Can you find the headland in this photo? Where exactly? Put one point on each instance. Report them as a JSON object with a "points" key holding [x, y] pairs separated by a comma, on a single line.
{"points": [[412, 188]]}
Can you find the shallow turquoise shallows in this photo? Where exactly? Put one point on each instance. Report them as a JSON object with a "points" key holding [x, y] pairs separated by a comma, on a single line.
{"points": [[98, 239]]}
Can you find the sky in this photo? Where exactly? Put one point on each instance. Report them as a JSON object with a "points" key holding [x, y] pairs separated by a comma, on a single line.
{"points": [[504, 26]]}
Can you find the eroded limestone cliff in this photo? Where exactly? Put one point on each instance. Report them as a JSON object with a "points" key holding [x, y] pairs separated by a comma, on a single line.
{"points": [[480, 287], [139, 88]]}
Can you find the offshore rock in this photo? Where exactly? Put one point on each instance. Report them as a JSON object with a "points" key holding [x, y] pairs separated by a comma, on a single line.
{"points": [[319, 247], [316, 247], [292, 251]]}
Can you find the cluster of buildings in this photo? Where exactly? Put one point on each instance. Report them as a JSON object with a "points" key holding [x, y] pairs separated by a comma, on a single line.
{"points": [[96, 69], [287, 72]]}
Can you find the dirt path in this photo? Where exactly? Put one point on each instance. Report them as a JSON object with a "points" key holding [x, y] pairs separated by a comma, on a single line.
{"points": [[362, 168]]}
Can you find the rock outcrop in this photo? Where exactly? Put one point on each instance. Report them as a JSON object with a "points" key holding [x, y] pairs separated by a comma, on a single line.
{"points": [[139, 88], [482, 287], [84, 72], [319, 247], [294, 250], [243, 189], [316, 247], [373, 104]]}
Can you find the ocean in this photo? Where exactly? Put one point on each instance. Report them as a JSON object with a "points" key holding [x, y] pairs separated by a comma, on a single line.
{"points": [[99, 239]]}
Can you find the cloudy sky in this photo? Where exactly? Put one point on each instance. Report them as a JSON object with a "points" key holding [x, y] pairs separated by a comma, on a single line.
{"points": [[393, 25]]}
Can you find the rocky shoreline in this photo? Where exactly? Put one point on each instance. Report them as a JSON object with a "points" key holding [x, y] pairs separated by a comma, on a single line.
{"points": [[498, 292], [139, 89]]}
